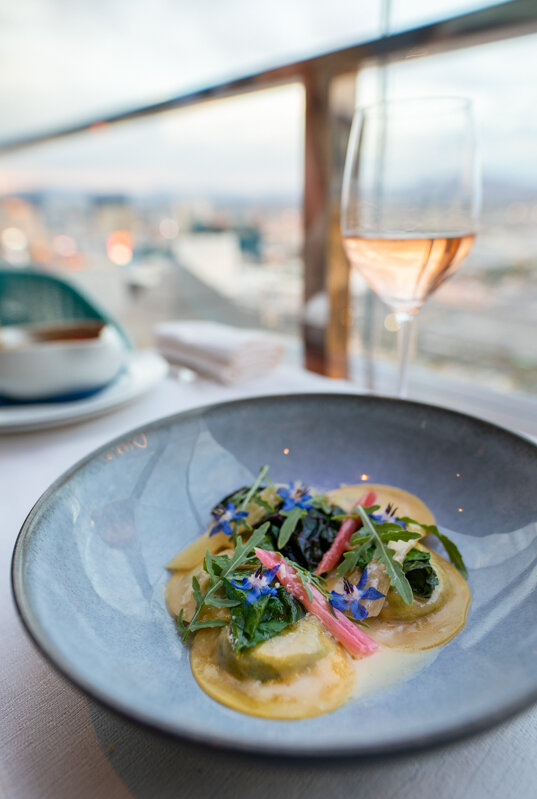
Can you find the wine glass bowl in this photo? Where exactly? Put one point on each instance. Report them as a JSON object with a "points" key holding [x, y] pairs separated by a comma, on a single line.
{"points": [[410, 201]]}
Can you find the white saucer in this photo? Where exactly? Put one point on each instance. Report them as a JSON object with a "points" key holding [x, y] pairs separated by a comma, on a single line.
{"points": [[143, 371]]}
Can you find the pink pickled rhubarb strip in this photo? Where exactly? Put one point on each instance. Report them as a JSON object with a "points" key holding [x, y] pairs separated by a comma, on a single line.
{"points": [[343, 629], [332, 556]]}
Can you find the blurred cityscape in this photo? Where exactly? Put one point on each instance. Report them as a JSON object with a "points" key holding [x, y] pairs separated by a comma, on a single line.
{"points": [[156, 257], [151, 258]]}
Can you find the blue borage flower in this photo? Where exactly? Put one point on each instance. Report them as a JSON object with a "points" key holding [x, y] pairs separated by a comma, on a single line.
{"points": [[230, 514], [296, 495], [258, 584], [350, 600], [388, 516]]}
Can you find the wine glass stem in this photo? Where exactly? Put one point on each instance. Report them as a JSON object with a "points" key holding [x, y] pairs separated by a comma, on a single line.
{"points": [[404, 334]]}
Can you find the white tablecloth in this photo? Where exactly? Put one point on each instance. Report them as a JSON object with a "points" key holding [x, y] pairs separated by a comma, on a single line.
{"points": [[57, 744]]}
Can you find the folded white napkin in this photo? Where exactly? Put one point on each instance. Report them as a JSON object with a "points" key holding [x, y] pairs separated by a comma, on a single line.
{"points": [[221, 352]]}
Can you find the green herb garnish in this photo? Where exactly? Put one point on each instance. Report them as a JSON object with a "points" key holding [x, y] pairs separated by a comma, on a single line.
{"points": [[451, 548], [260, 620], [288, 527], [219, 568], [253, 488], [364, 547], [309, 579], [385, 555]]}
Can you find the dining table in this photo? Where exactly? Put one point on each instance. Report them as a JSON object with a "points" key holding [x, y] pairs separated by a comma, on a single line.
{"points": [[57, 743]]}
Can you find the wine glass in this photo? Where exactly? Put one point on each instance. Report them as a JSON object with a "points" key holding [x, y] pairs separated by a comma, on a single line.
{"points": [[410, 202]]}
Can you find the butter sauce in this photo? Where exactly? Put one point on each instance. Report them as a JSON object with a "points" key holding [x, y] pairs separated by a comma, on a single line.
{"points": [[387, 667]]}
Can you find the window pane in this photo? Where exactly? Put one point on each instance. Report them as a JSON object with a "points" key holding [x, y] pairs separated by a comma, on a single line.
{"points": [[63, 62], [412, 13], [192, 214]]}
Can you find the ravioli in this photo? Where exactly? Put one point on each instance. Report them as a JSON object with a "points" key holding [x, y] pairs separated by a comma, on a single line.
{"points": [[407, 504], [314, 687], [301, 670]]}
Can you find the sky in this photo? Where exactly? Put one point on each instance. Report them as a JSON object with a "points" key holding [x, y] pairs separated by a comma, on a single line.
{"points": [[62, 61], [66, 60]]}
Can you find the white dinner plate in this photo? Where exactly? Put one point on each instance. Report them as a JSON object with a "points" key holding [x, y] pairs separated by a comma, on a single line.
{"points": [[144, 369]]}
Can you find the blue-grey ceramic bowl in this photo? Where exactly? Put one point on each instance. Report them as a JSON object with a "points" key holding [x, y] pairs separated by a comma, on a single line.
{"points": [[89, 576]]}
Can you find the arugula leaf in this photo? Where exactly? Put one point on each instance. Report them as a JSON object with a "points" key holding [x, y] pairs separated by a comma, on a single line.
{"points": [[394, 569], [451, 548], [263, 504], [363, 546], [394, 532], [415, 556], [320, 501], [243, 550], [242, 497], [269, 483], [184, 628], [196, 590], [208, 623], [220, 602], [226, 566], [349, 563], [369, 510], [388, 532], [308, 579], [305, 583], [253, 488], [358, 557], [287, 529]]}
